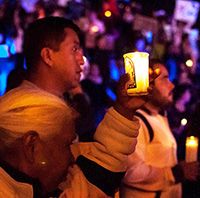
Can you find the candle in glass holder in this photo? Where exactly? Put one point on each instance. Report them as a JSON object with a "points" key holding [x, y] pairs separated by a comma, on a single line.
{"points": [[191, 149], [137, 65]]}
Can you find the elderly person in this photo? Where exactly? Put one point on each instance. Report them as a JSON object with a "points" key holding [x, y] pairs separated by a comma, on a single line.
{"points": [[36, 133], [37, 126]]}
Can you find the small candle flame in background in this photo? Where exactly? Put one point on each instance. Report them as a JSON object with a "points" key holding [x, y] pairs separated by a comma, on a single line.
{"points": [[191, 149]]}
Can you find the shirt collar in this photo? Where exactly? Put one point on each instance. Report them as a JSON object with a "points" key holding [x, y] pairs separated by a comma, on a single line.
{"points": [[22, 177]]}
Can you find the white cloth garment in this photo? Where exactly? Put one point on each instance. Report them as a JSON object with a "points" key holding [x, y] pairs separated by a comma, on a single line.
{"points": [[115, 137], [149, 167]]}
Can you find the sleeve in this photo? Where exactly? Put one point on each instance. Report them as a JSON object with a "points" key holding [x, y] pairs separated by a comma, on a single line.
{"points": [[140, 174], [115, 138], [105, 163]]}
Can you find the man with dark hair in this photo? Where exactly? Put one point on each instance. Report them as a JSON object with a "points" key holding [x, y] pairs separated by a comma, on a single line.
{"points": [[53, 54], [47, 32]]}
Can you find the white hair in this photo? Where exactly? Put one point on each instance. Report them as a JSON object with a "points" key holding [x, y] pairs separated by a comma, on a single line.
{"points": [[32, 110]]}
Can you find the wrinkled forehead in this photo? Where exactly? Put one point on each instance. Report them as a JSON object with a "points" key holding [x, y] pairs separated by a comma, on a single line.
{"points": [[29, 108], [67, 132]]}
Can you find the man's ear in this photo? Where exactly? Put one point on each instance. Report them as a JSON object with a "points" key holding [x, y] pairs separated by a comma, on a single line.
{"points": [[46, 54], [30, 140]]}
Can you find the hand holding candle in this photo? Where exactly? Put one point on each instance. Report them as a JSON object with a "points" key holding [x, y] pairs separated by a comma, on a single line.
{"points": [[137, 65], [191, 149], [190, 167], [127, 104]]}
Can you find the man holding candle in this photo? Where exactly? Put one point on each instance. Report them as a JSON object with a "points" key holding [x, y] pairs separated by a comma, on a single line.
{"points": [[37, 127], [153, 170]]}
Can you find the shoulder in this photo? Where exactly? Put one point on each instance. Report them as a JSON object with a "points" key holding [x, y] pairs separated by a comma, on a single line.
{"points": [[145, 118], [11, 188], [29, 94]]}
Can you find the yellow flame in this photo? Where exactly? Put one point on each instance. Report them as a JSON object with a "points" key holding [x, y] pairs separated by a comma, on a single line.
{"points": [[108, 13]]}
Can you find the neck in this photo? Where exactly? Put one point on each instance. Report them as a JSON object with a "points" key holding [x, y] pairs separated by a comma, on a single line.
{"points": [[47, 83], [152, 108]]}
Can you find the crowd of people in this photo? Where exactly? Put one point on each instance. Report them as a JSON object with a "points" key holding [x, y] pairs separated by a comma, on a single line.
{"points": [[79, 131], [105, 39]]}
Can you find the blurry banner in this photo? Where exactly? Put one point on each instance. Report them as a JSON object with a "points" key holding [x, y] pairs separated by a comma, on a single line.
{"points": [[186, 11], [145, 23]]}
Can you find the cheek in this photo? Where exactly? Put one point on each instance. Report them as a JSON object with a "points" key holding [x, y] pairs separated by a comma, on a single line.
{"points": [[69, 71], [59, 161], [64, 156], [71, 60], [67, 154]]}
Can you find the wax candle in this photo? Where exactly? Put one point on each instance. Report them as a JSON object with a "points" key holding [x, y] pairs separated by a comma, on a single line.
{"points": [[191, 149], [137, 65]]}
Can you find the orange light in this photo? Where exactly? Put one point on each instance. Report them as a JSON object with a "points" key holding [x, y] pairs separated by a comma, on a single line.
{"points": [[107, 13], [150, 71], [191, 149], [157, 71]]}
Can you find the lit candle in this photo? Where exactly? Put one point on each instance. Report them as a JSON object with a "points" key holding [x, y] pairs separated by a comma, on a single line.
{"points": [[191, 149], [137, 65]]}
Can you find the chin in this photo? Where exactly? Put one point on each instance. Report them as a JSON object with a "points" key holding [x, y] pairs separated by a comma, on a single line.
{"points": [[75, 85], [72, 84], [168, 104]]}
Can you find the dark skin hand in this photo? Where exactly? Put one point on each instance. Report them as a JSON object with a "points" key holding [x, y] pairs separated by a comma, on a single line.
{"points": [[127, 105]]}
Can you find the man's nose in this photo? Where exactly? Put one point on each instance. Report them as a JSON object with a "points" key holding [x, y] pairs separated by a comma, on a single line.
{"points": [[82, 61], [172, 85], [81, 57]]}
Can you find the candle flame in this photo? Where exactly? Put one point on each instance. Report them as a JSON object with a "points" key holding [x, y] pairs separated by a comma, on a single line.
{"points": [[192, 141], [137, 65]]}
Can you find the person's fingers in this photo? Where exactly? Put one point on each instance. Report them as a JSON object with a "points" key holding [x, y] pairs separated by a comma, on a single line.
{"points": [[125, 81], [123, 84], [150, 88], [125, 78]]}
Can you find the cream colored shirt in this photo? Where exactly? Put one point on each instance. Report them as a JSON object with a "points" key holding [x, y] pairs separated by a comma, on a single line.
{"points": [[149, 167], [9, 188], [115, 139]]}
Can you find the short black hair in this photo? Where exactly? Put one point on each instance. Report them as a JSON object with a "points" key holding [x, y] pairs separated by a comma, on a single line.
{"points": [[45, 32]]}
